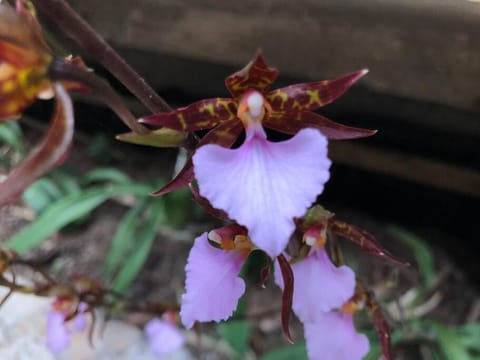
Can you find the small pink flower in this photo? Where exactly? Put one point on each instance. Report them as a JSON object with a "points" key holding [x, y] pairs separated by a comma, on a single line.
{"points": [[333, 337], [163, 337]]}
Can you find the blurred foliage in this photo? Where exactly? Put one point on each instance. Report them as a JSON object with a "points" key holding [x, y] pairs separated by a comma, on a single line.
{"points": [[66, 198], [11, 143]]}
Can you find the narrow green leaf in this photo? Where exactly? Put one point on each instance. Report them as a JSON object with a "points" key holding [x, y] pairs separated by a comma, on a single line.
{"points": [[123, 239], [66, 180], [144, 241], [236, 334], [11, 135], [56, 216], [41, 193], [297, 352], [421, 251], [450, 344], [67, 210], [470, 336], [111, 175]]}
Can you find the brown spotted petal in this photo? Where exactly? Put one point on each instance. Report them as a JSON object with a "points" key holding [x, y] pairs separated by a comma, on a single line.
{"points": [[364, 239], [287, 296], [256, 75], [51, 151], [224, 135], [381, 326], [201, 115], [311, 96], [292, 122]]}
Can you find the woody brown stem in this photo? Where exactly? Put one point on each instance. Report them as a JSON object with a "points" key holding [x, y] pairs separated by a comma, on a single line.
{"points": [[67, 19]]}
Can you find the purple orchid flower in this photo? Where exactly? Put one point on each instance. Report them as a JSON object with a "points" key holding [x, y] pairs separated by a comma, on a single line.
{"points": [[320, 286], [163, 337], [59, 334], [212, 284], [262, 185]]}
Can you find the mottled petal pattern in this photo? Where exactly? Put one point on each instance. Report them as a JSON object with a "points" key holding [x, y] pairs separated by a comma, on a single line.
{"points": [[320, 286], [263, 185], [58, 336], [163, 337], [334, 338], [212, 284]]}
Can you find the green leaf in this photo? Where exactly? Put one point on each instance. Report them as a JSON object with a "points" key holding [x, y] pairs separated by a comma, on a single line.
{"points": [[67, 210], [297, 352], [123, 239], [421, 251], [111, 175], [56, 216], [145, 238], [41, 193], [451, 344], [470, 336], [66, 180], [236, 334], [11, 135]]}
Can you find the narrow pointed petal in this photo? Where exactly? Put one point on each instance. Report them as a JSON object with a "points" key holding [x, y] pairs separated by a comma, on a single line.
{"points": [[381, 326], [183, 178], [319, 286], [163, 337], [49, 153], [58, 336], [367, 242], [334, 337], [204, 114], [293, 122], [264, 185], [224, 135], [311, 96], [212, 286], [287, 296], [256, 75]]}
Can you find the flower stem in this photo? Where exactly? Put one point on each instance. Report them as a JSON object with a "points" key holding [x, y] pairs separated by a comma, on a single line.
{"points": [[67, 19]]}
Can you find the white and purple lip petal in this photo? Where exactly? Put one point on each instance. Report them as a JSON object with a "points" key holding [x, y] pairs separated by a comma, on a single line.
{"points": [[212, 284], [319, 286], [334, 337], [263, 185]]}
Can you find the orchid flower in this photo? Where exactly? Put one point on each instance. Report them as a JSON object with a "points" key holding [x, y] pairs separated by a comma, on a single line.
{"points": [[212, 284], [262, 185], [59, 330], [322, 301]]}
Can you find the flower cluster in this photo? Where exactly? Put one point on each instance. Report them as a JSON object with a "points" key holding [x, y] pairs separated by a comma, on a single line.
{"points": [[266, 188]]}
